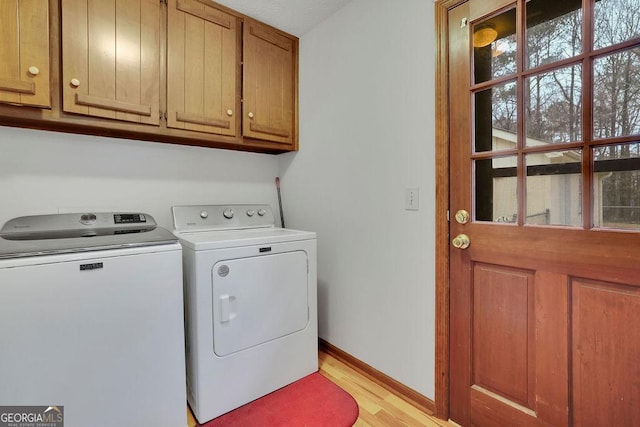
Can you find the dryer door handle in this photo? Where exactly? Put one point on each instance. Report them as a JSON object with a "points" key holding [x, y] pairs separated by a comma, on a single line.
{"points": [[225, 307]]}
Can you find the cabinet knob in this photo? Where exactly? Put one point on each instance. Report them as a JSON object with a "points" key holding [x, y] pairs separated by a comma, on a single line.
{"points": [[75, 82], [229, 112], [34, 71], [250, 115]]}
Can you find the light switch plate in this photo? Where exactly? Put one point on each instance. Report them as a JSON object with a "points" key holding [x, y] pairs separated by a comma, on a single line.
{"points": [[412, 199]]}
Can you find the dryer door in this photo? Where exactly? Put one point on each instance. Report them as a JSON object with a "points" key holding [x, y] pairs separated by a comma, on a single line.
{"points": [[258, 299]]}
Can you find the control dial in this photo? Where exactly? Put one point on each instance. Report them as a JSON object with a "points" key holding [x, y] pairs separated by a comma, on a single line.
{"points": [[261, 212], [88, 219], [228, 213], [251, 213], [204, 214]]}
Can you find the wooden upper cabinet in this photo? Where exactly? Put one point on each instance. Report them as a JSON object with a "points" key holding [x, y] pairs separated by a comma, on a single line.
{"points": [[179, 71], [203, 67], [111, 59], [270, 82], [24, 52]]}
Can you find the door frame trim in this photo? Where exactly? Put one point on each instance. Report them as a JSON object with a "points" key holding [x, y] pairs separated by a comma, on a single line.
{"points": [[442, 8]]}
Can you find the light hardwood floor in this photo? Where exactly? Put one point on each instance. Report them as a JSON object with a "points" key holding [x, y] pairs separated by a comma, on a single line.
{"points": [[378, 407]]}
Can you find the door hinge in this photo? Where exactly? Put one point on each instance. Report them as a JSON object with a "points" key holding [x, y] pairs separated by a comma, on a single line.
{"points": [[464, 22], [448, 218]]}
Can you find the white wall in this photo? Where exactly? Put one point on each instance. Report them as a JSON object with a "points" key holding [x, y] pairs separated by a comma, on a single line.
{"points": [[49, 172], [366, 133]]}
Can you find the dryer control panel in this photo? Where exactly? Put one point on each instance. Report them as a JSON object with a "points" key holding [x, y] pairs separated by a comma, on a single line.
{"points": [[221, 217]]}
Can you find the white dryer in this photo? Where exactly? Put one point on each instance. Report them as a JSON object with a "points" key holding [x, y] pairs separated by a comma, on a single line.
{"points": [[251, 304]]}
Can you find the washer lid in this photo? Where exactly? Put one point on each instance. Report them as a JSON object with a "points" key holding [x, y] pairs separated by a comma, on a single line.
{"points": [[79, 232]]}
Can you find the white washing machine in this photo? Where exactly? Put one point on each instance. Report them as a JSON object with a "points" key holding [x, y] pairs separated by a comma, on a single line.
{"points": [[251, 305], [91, 319]]}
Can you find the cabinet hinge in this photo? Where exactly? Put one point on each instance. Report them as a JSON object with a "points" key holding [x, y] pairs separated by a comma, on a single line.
{"points": [[164, 2], [448, 218], [163, 115]]}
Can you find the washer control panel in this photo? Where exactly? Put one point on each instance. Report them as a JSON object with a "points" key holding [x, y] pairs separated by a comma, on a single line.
{"points": [[70, 225], [129, 218], [221, 217]]}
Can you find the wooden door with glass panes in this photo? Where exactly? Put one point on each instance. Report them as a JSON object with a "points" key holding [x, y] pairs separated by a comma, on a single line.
{"points": [[545, 212]]}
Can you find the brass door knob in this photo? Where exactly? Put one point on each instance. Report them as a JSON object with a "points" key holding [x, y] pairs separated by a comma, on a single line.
{"points": [[251, 115], [461, 241], [462, 216]]}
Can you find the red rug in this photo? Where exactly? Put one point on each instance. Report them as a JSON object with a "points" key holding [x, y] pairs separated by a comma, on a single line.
{"points": [[312, 401]]}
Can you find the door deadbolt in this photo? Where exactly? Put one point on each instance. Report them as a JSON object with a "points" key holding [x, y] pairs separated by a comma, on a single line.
{"points": [[462, 216]]}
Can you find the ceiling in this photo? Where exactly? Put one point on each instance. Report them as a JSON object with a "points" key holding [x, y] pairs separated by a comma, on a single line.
{"points": [[293, 16]]}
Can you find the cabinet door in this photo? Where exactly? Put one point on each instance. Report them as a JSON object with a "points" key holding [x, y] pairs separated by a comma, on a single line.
{"points": [[111, 59], [202, 64], [24, 52], [270, 76]]}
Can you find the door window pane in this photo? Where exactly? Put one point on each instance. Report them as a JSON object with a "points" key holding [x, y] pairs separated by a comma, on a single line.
{"points": [[494, 47], [496, 189], [617, 186], [616, 94], [553, 106], [554, 31], [547, 114], [496, 118], [615, 21], [554, 188]]}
